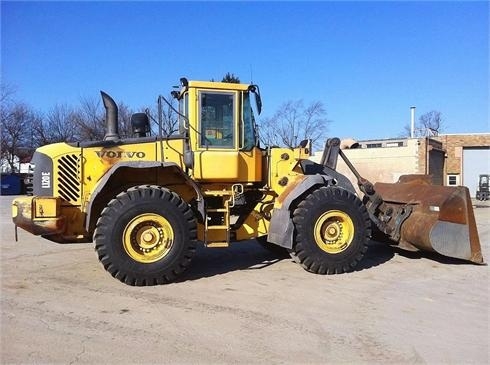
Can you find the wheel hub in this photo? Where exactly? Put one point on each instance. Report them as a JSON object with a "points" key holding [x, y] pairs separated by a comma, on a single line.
{"points": [[334, 231], [148, 237]]}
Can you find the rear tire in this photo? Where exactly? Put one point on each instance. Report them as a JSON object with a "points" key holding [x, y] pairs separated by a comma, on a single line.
{"points": [[332, 231], [146, 236]]}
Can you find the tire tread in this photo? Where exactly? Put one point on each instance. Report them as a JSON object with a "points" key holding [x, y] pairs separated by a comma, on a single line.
{"points": [[307, 253], [131, 197]]}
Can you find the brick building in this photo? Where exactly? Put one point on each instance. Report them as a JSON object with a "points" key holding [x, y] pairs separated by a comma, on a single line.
{"points": [[467, 156]]}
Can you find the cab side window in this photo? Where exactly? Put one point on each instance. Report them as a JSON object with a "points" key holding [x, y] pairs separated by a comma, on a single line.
{"points": [[248, 124], [217, 119], [184, 113]]}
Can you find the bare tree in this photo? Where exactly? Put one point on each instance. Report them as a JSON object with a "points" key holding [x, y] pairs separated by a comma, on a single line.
{"points": [[294, 122], [6, 94], [59, 125], [124, 120], [406, 131], [16, 141], [89, 120], [429, 124], [170, 119]]}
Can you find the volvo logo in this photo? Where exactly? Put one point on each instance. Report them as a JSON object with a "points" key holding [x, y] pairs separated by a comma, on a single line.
{"points": [[120, 154]]}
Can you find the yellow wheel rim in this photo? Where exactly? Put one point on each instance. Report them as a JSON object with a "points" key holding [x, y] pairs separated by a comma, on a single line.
{"points": [[147, 238], [334, 231]]}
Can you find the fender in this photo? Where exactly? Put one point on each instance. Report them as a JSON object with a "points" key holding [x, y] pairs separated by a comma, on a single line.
{"points": [[141, 165], [281, 227]]}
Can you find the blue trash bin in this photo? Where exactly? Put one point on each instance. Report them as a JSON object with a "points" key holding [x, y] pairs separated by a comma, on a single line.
{"points": [[11, 184]]}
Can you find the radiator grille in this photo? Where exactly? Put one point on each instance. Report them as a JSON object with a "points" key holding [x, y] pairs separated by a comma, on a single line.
{"points": [[68, 177]]}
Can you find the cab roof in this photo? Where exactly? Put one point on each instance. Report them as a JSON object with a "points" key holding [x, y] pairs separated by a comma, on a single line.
{"points": [[217, 85]]}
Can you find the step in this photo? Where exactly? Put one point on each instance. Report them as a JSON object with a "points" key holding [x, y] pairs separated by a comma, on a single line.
{"points": [[220, 210], [222, 227], [218, 193], [217, 244]]}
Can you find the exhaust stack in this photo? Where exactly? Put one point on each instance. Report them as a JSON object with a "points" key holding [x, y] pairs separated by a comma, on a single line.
{"points": [[110, 106]]}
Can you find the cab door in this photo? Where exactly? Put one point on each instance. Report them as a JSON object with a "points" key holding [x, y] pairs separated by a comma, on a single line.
{"points": [[216, 156], [220, 155]]}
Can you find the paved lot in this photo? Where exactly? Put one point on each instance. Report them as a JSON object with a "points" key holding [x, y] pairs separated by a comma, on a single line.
{"points": [[241, 305]]}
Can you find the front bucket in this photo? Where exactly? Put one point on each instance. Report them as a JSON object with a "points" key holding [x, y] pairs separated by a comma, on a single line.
{"points": [[442, 218]]}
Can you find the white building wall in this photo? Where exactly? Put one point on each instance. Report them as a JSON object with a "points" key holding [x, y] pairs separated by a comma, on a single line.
{"points": [[383, 164]]}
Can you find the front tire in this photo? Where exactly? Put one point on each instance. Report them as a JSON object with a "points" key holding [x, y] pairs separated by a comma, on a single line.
{"points": [[146, 236], [332, 231]]}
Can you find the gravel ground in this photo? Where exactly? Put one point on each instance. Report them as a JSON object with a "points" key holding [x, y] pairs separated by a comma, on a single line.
{"points": [[241, 305]]}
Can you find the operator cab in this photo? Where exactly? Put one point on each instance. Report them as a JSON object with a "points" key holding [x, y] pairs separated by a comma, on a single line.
{"points": [[219, 121], [220, 107]]}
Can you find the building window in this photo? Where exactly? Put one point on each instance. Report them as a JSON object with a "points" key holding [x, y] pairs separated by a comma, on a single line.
{"points": [[373, 145], [394, 144], [453, 180]]}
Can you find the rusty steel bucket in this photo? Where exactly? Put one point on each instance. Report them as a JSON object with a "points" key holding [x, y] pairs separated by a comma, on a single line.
{"points": [[441, 219]]}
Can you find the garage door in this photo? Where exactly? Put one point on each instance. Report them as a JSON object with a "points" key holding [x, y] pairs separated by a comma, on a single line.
{"points": [[476, 161]]}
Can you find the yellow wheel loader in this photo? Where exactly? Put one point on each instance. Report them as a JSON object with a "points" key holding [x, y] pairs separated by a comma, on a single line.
{"points": [[148, 201]]}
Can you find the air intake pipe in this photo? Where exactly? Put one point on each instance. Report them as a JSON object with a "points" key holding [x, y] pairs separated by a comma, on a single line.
{"points": [[110, 106]]}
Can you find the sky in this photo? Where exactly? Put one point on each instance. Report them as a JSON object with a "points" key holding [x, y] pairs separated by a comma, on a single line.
{"points": [[367, 62]]}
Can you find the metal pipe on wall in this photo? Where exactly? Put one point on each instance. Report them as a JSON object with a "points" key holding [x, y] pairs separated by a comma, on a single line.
{"points": [[412, 122]]}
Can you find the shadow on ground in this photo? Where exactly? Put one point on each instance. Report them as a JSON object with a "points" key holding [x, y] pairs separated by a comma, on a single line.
{"points": [[250, 255], [378, 253], [417, 255], [246, 255]]}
